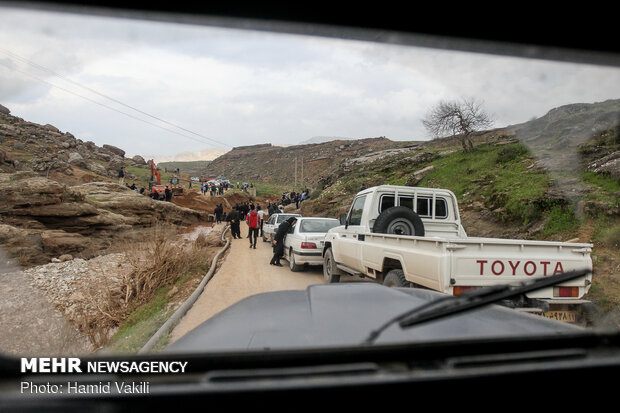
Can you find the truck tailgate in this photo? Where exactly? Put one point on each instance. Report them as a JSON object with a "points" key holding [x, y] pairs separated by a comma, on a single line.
{"points": [[488, 261]]}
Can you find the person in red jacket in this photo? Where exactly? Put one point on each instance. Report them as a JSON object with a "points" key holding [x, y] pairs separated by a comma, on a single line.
{"points": [[253, 220]]}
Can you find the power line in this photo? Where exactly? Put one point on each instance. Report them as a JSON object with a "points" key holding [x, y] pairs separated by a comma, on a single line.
{"points": [[99, 103], [36, 65]]}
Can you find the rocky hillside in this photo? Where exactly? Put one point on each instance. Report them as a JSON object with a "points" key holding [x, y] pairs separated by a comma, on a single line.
{"points": [[568, 159], [60, 196], [43, 149], [280, 165], [556, 139]]}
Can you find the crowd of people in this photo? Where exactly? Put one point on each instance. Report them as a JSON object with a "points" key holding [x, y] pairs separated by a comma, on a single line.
{"points": [[214, 189], [249, 212], [294, 197], [254, 216]]}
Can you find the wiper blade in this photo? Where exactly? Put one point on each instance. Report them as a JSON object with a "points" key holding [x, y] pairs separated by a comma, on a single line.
{"points": [[470, 300]]}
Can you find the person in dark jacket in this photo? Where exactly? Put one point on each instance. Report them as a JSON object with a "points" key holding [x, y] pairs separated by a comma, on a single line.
{"points": [[278, 240], [121, 175], [233, 218]]}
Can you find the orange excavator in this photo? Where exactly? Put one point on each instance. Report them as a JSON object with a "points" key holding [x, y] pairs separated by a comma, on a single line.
{"points": [[157, 190]]}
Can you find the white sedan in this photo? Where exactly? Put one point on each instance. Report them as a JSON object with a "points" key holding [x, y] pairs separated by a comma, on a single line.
{"points": [[270, 227], [304, 242]]}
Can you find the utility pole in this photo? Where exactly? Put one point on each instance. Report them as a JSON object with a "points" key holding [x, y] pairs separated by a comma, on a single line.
{"points": [[302, 171], [295, 171]]}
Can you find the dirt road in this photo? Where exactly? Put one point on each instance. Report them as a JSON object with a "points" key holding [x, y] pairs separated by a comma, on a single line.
{"points": [[244, 272]]}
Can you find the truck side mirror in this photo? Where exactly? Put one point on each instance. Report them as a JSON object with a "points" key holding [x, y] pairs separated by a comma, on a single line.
{"points": [[343, 219]]}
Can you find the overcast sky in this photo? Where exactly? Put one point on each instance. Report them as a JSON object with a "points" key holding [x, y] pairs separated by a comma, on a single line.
{"points": [[228, 88]]}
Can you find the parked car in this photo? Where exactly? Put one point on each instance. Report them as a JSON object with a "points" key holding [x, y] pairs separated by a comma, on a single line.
{"points": [[271, 226], [303, 244]]}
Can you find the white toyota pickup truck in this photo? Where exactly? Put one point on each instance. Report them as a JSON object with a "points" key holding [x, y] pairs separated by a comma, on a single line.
{"points": [[413, 237]]}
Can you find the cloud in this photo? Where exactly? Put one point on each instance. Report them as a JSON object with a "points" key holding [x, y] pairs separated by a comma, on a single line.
{"points": [[233, 87]]}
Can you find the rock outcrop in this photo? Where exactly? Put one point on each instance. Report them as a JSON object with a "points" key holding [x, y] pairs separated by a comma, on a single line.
{"points": [[27, 146], [609, 164], [42, 219]]}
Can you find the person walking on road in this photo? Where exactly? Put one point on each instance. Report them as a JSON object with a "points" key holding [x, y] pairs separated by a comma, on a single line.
{"points": [[253, 223], [261, 215], [233, 218], [278, 240]]}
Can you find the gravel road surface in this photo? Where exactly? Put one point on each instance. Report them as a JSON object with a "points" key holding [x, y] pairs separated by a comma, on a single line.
{"points": [[245, 272]]}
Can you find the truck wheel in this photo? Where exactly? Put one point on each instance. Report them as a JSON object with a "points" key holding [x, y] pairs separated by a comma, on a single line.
{"points": [[399, 220], [396, 278], [291, 262], [330, 271]]}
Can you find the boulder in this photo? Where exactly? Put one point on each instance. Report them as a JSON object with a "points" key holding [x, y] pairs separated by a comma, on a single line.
{"points": [[65, 257], [76, 159], [115, 164], [4, 110], [139, 160], [114, 150], [51, 128], [103, 156]]}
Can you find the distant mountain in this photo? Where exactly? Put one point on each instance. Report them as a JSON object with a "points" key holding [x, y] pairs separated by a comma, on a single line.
{"points": [[202, 155], [191, 168], [303, 164]]}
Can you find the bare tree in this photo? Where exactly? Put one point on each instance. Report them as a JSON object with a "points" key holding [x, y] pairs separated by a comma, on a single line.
{"points": [[457, 118]]}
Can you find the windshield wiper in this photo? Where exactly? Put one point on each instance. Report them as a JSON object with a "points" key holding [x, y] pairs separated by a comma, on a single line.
{"points": [[469, 300]]}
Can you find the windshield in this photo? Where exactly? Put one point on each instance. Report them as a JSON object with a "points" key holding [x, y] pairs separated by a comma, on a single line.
{"points": [[318, 225], [99, 114]]}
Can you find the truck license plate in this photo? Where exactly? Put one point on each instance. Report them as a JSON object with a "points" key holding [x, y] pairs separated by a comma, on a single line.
{"points": [[566, 316]]}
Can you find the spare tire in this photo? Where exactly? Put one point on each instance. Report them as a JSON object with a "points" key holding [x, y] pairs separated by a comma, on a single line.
{"points": [[399, 220]]}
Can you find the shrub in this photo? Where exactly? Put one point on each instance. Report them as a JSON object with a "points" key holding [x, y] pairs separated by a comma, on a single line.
{"points": [[156, 267], [560, 219], [511, 152], [610, 237]]}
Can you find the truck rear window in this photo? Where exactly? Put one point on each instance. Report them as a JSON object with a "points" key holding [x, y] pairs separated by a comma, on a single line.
{"points": [[423, 208]]}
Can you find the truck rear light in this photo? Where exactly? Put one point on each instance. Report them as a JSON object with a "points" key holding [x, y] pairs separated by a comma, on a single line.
{"points": [[460, 289], [566, 291], [308, 245]]}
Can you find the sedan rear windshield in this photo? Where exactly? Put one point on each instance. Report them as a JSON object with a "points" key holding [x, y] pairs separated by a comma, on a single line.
{"points": [[282, 218], [318, 225]]}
